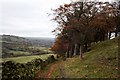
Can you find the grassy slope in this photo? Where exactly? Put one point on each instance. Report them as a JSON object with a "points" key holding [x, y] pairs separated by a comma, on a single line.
{"points": [[25, 59], [100, 62]]}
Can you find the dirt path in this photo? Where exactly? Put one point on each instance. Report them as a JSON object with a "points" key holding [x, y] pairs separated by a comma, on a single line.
{"points": [[62, 71], [51, 70], [48, 73], [39, 74]]}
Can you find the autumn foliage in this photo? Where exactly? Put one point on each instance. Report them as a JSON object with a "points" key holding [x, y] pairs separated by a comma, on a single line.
{"points": [[58, 46], [82, 23]]}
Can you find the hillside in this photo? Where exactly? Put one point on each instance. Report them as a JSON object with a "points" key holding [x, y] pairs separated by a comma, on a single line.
{"points": [[100, 62], [14, 46], [11, 38]]}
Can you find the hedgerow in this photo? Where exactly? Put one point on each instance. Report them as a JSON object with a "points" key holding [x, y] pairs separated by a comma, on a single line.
{"points": [[27, 71]]}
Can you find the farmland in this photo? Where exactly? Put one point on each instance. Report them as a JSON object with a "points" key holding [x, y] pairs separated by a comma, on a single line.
{"points": [[25, 59], [14, 46]]}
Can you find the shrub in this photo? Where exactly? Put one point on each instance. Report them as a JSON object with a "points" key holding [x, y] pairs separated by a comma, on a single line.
{"points": [[37, 62], [51, 59], [17, 71]]}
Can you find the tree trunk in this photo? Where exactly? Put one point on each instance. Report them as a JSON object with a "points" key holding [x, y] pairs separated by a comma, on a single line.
{"points": [[75, 49], [86, 47], [109, 36], [81, 52], [67, 52], [102, 37], [89, 46], [116, 33], [78, 49], [72, 50]]}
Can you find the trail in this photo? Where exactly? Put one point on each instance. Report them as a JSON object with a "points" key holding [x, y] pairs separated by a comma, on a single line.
{"points": [[51, 70], [62, 71], [48, 72], [39, 74]]}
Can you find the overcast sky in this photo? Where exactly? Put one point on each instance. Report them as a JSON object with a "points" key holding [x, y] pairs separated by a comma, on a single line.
{"points": [[28, 18]]}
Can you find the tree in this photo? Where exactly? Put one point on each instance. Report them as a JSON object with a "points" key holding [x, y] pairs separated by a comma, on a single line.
{"points": [[59, 46], [81, 23]]}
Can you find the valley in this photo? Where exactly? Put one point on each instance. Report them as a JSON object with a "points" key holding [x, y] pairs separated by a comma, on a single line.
{"points": [[14, 46]]}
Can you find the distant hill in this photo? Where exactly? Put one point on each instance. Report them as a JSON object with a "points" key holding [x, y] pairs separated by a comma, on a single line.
{"points": [[11, 38], [13, 46], [40, 41], [12, 43], [35, 41]]}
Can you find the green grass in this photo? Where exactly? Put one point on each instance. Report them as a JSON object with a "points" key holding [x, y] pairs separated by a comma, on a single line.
{"points": [[44, 49], [25, 59], [19, 53], [100, 62]]}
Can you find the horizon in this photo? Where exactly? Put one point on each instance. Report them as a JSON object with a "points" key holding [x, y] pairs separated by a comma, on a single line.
{"points": [[26, 36]]}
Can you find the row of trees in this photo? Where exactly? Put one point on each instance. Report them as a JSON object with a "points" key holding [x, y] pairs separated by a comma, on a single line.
{"points": [[81, 23]]}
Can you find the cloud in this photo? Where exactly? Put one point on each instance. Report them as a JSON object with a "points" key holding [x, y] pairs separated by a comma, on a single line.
{"points": [[28, 17]]}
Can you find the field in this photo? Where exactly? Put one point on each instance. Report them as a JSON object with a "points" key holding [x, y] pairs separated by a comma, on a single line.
{"points": [[25, 59], [44, 49]]}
